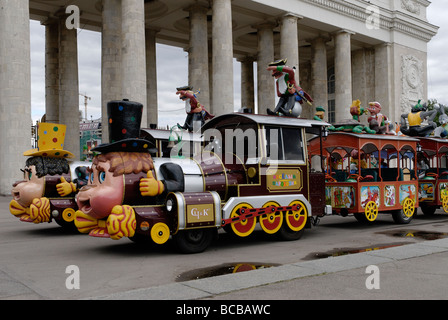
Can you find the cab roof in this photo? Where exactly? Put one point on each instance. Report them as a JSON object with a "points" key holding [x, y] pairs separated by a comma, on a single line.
{"points": [[236, 118]]}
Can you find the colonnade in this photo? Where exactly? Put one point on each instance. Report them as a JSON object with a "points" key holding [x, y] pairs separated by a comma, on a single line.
{"points": [[127, 45]]}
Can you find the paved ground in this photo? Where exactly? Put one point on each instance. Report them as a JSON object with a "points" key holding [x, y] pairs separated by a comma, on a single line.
{"points": [[409, 272]]}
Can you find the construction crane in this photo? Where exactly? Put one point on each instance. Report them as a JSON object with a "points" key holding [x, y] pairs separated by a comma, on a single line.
{"points": [[86, 98]]}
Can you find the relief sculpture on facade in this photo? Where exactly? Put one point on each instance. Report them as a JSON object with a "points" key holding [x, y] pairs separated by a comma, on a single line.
{"points": [[412, 81], [411, 5]]}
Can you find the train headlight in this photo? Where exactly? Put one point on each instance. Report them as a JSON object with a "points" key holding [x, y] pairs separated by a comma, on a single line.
{"points": [[144, 226], [169, 205], [55, 213]]}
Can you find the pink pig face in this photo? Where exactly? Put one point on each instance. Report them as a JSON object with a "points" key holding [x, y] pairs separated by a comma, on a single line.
{"points": [[102, 193]]}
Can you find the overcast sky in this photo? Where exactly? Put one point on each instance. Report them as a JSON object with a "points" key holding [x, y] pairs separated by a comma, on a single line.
{"points": [[171, 109]]}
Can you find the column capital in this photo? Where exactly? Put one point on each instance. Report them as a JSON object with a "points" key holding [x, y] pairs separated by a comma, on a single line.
{"points": [[290, 15], [198, 7], [152, 30], [383, 44], [247, 59], [49, 21], [322, 37], [340, 31], [265, 25]]}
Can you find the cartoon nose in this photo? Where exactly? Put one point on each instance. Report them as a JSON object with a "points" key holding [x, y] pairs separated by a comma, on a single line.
{"points": [[88, 187], [15, 184]]}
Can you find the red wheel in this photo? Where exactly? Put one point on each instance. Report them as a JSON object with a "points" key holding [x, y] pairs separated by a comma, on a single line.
{"points": [[244, 227], [296, 219], [271, 222]]}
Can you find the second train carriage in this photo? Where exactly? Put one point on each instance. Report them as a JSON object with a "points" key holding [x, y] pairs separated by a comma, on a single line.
{"points": [[370, 174], [432, 170]]}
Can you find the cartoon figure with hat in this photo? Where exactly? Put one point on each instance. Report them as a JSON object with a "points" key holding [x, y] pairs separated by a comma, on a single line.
{"points": [[46, 177], [196, 113], [320, 113], [290, 93], [120, 176]]}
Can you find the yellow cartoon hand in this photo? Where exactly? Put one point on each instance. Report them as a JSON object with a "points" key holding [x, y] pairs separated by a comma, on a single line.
{"points": [[150, 186], [65, 188]]}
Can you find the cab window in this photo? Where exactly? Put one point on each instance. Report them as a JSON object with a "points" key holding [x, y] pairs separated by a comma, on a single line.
{"points": [[284, 144]]}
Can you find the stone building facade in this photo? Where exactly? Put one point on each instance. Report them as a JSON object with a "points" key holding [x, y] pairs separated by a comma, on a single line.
{"points": [[342, 50]]}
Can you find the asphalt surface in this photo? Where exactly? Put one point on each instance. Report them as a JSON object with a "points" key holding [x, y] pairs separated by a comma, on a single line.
{"points": [[408, 272]]}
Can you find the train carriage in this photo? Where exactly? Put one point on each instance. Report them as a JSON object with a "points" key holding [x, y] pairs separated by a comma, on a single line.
{"points": [[433, 174], [370, 174]]}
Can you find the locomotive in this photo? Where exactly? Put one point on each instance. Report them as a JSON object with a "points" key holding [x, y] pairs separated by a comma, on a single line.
{"points": [[251, 168]]}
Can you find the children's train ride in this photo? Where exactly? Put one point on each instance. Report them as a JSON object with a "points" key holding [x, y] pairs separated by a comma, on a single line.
{"points": [[282, 173]]}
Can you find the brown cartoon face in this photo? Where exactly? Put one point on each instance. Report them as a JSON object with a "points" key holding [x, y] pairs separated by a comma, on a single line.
{"points": [[29, 188], [103, 191]]}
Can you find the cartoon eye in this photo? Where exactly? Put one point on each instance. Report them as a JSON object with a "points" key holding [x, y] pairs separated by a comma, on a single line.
{"points": [[91, 178], [27, 174], [101, 176]]}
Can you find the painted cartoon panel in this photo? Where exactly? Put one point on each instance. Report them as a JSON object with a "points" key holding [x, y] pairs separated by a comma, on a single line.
{"points": [[407, 191], [370, 193], [340, 197], [389, 195], [443, 190], [426, 192]]}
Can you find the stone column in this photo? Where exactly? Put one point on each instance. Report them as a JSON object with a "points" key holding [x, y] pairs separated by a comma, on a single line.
{"points": [[383, 80], [289, 43], [134, 53], [198, 75], [363, 75], [110, 60], [222, 57], [151, 76], [343, 74], [319, 73], [247, 83], [265, 82], [69, 86], [210, 75], [51, 70], [15, 90]]}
